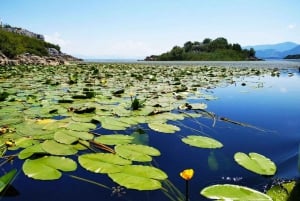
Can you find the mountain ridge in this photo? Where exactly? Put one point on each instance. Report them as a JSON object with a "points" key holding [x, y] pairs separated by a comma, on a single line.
{"points": [[276, 51]]}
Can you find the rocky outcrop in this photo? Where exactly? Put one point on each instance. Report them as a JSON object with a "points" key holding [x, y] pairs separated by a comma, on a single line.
{"points": [[29, 59], [3, 59]]}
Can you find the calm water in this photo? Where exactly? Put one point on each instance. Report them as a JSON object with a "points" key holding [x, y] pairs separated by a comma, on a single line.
{"points": [[270, 104]]}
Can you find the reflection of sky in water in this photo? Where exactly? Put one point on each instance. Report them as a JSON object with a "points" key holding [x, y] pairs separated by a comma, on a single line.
{"points": [[268, 103]]}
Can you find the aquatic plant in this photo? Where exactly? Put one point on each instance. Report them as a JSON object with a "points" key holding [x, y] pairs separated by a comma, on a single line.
{"points": [[51, 127]]}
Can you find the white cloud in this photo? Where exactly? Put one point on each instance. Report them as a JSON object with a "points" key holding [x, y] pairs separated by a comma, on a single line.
{"points": [[291, 26], [56, 39]]}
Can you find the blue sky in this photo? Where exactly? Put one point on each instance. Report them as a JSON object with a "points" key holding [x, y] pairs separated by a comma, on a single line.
{"points": [[138, 28]]}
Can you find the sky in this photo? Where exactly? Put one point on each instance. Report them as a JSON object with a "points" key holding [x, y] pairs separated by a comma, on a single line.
{"points": [[134, 29]]}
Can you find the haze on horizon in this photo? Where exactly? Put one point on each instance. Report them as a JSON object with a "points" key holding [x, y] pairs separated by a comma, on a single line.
{"points": [[120, 29]]}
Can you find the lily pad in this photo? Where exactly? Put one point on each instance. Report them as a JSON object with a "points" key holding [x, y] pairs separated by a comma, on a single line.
{"points": [[202, 142], [47, 167], [102, 162], [163, 127], [70, 136], [111, 123], [29, 151], [256, 163], [139, 177], [114, 139], [233, 192], [79, 126], [141, 153], [55, 148]]}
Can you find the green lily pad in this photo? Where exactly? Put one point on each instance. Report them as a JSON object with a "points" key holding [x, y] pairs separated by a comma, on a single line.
{"points": [[7, 178], [281, 192], [47, 167], [102, 162], [141, 153], [202, 142], [79, 126], [29, 151], [233, 192], [256, 163], [70, 136], [163, 127], [114, 139], [111, 123], [139, 177], [55, 148]]}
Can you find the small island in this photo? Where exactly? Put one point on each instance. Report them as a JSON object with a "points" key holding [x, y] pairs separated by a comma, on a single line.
{"points": [[207, 50], [293, 56]]}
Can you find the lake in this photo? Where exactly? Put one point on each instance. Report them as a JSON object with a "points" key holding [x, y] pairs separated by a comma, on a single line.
{"points": [[263, 110]]}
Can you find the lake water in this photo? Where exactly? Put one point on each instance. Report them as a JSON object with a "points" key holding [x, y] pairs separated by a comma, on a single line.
{"points": [[269, 107]]}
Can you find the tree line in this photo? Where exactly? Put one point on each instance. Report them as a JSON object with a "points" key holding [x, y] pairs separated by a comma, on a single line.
{"points": [[207, 50], [13, 44]]}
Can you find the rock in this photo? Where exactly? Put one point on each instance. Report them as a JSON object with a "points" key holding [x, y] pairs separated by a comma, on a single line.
{"points": [[3, 59], [56, 58]]}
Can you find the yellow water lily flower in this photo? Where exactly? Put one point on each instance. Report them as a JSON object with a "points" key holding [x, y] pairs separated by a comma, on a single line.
{"points": [[187, 174]]}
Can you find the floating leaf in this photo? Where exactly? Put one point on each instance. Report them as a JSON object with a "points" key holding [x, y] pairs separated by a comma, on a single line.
{"points": [[55, 148], [233, 192], [29, 151], [70, 136], [102, 162], [7, 178], [198, 106], [114, 139], [202, 142], [47, 167], [163, 127], [112, 123], [141, 153], [139, 177], [79, 126], [256, 163], [24, 142]]}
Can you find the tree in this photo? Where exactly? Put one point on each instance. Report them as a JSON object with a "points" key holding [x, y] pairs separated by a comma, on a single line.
{"points": [[236, 47], [188, 46], [176, 53], [206, 41], [251, 52], [220, 43]]}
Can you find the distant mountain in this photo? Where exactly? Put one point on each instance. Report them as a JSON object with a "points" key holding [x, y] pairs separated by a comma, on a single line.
{"points": [[275, 51]]}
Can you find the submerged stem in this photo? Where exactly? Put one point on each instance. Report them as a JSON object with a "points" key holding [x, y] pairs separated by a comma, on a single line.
{"points": [[186, 190], [90, 181]]}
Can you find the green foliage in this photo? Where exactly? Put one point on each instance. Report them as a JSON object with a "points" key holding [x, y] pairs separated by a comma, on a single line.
{"points": [[256, 163], [202, 142], [233, 192], [209, 50], [13, 44], [6, 179]]}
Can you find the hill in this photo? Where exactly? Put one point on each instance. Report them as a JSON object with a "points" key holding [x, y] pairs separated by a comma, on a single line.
{"points": [[13, 44], [207, 50], [276, 51], [20, 46]]}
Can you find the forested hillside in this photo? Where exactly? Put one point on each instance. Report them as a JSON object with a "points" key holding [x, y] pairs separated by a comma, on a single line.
{"points": [[13, 44]]}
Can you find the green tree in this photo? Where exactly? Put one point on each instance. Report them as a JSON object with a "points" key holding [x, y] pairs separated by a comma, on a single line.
{"points": [[177, 53], [206, 41], [237, 47], [251, 52], [188, 46]]}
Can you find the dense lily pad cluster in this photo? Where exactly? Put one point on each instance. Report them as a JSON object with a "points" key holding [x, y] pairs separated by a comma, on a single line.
{"points": [[49, 114]]}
